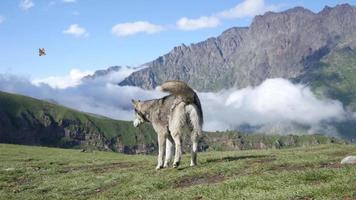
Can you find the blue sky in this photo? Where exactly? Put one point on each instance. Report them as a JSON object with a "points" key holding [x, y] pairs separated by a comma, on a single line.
{"points": [[90, 34]]}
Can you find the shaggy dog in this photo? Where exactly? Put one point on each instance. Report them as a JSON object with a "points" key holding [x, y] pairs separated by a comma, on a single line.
{"points": [[169, 115]]}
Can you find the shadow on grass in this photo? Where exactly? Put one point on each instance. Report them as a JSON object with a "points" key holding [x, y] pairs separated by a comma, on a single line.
{"points": [[234, 158]]}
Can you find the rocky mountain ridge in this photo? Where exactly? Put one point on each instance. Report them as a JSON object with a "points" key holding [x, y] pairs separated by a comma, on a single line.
{"points": [[284, 44]]}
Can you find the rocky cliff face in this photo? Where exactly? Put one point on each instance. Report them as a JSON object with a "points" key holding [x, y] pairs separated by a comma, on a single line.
{"points": [[281, 44]]}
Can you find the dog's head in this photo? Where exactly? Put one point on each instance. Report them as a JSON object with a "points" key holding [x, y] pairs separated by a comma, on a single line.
{"points": [[140, 117]]}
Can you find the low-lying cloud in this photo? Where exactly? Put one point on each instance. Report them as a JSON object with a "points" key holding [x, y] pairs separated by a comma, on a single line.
{"points": [[274, 103], [61, 82]]}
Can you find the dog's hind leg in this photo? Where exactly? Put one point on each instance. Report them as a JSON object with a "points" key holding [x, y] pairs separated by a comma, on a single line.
{"points": [[178, 153], [161, 147], [196, 131], [169, 151], [194, 138], [176, 123]]}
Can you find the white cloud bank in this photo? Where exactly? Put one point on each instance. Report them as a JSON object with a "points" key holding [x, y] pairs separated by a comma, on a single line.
{"points": [[26, 4], [276, 102], [76, 31], [61, 82], [131, 28]]}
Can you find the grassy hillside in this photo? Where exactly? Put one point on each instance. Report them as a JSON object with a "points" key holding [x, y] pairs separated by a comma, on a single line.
{"points": [[27, 120], [295, 173]]}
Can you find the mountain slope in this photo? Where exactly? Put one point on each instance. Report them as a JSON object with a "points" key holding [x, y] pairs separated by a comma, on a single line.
{"points": [[281, 44], [24, 120], [335, 75]]}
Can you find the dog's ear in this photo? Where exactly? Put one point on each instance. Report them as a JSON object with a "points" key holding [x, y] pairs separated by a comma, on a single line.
{"points": [[133, 102]]}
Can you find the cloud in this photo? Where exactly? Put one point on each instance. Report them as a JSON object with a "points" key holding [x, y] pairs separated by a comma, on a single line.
{"points": [[76, 31], [26, 4], [100, 95], [69, 1], [275, 101], [131, 28], [62, 82], [194, 24], [247, 8], [276, 106], [2, 19]]}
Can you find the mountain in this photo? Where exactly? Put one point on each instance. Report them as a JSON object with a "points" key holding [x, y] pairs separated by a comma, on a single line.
{"points": [[102, 72], [25, 120], [289, 44]]}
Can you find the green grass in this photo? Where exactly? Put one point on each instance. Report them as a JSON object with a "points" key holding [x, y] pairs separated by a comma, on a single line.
{"points": [[296, 173]]}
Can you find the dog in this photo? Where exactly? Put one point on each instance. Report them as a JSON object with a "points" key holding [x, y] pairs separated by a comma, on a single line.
{"points": [[169, 116]]}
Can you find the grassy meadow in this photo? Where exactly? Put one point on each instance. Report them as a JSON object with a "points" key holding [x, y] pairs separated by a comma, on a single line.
{"points": [[28, 172]]}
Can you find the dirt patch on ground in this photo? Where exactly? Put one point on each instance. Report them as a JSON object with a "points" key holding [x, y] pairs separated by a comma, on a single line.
{"points": [[263, 160], [197, 198], [199, 180], [99, 168], [332, 165], [234, 158], [340, 153], [290, 167], [101, 189]]}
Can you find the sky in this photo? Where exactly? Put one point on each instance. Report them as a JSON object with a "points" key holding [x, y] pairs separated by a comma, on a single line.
{"points": [[81, 36], [87, 35]]}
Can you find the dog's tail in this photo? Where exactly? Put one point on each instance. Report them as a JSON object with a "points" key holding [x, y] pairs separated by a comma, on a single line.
{"points": [[186, 93]]}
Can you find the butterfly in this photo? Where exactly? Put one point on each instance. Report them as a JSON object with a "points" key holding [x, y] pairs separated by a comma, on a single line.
{"points": [[41, 52]]}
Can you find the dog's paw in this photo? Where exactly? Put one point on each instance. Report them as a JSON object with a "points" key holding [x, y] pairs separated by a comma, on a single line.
{"points": [[193, 164], [176, 164], [159, 167]]}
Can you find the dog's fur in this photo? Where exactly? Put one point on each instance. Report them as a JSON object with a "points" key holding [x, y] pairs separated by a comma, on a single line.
{"points": [[169, 115]]}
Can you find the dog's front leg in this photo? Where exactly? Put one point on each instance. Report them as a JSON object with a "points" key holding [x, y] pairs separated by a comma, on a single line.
{"points": [[169, 149], [161, 148]]}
